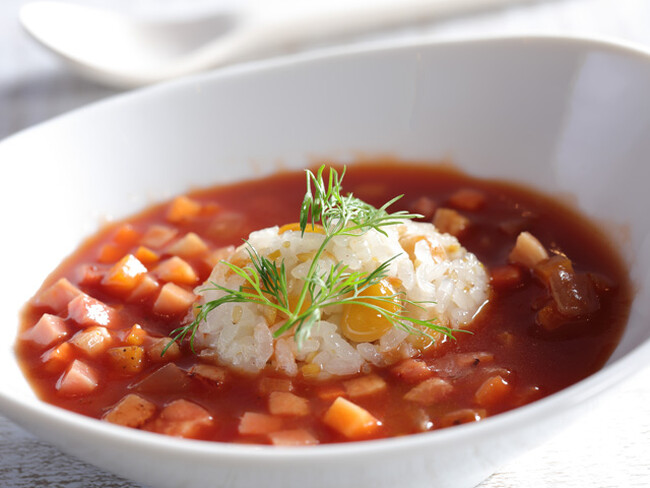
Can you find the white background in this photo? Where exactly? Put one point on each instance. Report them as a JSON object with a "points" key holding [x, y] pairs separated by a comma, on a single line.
{"points": [[608, 447]]}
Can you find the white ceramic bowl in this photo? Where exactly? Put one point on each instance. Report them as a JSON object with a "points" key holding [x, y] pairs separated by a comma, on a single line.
{"points": [[571, 117]]}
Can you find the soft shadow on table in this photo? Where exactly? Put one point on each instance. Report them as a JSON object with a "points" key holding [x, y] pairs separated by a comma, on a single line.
{"points": [[42, 95]]}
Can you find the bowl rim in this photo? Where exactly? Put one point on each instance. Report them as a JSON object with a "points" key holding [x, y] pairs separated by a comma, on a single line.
{"points": [[580, 392]]}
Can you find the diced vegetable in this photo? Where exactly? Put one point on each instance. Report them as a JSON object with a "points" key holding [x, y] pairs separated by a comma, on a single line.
{"points": [[454, 366], [136, 336], [126, 235], [412, 370], [462, 416], [48, 330], [207, 372], [182, 209], [176, 270], [188, 246], [467, 199], [147, 287], [93, 340], [506, 276], [57, 358], [166, 378], [296, 437], [124, 275], [287, 404], [364, 386], [146, 256], [156, 347], [268, 385], [182, 418], [424, 206], [127, 359], [361, 323], [330, 393], [351, 420], [253, 423], [450, 221], [110, 253], [217, 255], [173, 300], [90, 274], [57, 296], [528, 251], [157, 236], [429, 391], [79, 379], [492, 391], [87, 311], [131, 411]]}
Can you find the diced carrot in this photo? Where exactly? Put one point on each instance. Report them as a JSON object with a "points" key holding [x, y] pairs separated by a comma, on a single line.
{"points": [[48, 330], [57, 358], [528, 251], [124, 275], [182, 418], [146, 255], [159, 344], [136, 335], [188, 246], [131, 411], [450, 221], [287, 404], [351, 420], [545, 269], [176, 270], [364, 386], [147, 287], [158, 236], [467, 199], [492, 391], [207, 372], [57, 296], [217, 255], [462, 416], [253, 423], [424, 206], [506, 276], [182, 209], [93, 340], [429, 391], [412, 371], [268, 385], [330, 393], [126, 235], [79, 379], [90, 274], [549, 318], [127, 359], [173, 300], [110, 253], [296, 437], [88, 311], [166, 378]]}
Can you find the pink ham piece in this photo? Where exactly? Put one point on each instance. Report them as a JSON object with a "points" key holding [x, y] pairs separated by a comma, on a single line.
{"points": [[48, 330], [79, 379], [87, 311], [57, 296]]}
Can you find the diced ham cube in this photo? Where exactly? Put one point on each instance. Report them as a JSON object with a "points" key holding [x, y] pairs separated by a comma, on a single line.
{"points": [[364, 386], [528, 251], [268, 385], [158, 236], [93, 340], [48, 330], [176, 270], [90, 274], [467, 199], [79, 379], [287, 404], [253, 423], [147, 288], [429, 391], [208, 373], [351, 420], [124, 275], [182, 209], [131, 411], [182, 418], [188, 246], [412, 371], [173, 300], [87, 311], [57, 296], [292, 438]]}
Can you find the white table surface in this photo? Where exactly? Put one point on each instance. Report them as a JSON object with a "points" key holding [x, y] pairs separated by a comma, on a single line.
{"points": [[608, 447]]}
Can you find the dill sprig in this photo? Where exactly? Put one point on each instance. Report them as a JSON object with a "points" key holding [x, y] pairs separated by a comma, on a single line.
{"points": [[265, 281]]}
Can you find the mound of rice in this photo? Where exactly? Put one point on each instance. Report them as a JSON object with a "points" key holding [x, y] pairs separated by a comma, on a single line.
{"points": [[430, 266]]}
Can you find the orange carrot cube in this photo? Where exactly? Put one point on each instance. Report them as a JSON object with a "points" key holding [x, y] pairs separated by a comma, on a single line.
{"points": [[173, 300], [253, 423], [182, 418], [57, 358], [146, 255], [124, 275], [126, 235], [131, 411], [351, 420], [127, 360], [110, 253], [291, 438], [492, 391], [506, 276], [182, 209], [176, 270], [287, 404], [330, 392], [136, 335]]}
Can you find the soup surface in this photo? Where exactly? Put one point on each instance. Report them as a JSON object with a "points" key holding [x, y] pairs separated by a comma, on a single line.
{"points": [[92, 338]]}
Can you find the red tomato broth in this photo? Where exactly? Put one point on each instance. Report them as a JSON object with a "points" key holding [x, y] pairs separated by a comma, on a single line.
{"points": [[533, 362]]}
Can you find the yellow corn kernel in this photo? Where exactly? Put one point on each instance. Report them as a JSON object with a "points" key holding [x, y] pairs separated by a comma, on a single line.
{"points": [[275, 255], [363, 324], [310, 370], [317, 229]]}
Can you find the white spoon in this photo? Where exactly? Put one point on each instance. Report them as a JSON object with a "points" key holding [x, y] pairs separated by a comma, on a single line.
{"points": [[124, 51]]}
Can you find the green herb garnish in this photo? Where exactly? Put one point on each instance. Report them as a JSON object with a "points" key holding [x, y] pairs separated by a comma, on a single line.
{"points": [[265, 281]]}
